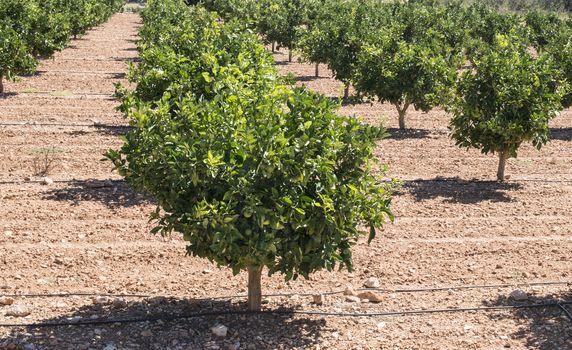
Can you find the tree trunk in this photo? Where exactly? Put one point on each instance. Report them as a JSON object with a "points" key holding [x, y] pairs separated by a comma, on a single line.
{"points": [[273, 47], [254, 288], [402, 111], [1, 84], [289, 55], [503, 156], [401, 119], [317, 70], [346, 91]]}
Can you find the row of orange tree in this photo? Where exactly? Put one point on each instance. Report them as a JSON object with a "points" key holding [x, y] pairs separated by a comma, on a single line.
{"points": [[253, 172], [32, 29], [503, 76]]}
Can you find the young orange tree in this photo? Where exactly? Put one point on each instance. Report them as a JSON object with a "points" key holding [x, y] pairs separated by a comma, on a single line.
{"points": [[253, 173], [506, 99]]}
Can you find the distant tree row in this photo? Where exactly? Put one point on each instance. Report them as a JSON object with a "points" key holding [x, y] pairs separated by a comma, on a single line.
{"points": [[503, 75], [32, 29]]}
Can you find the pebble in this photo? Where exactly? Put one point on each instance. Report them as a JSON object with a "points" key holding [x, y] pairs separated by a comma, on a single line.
{"points": [[146, 333], [319, 299], [47, 181], [6, 301], [119, 303], [17, 310], [101, 300], [371, 296], [110, 347], [234, 346], [219, 330], [350, 291], [372, 282], [353, 299], [519, 295], [381, 325]]}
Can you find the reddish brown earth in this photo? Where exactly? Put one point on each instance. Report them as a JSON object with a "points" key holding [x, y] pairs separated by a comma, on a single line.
{"points": [[88, 233]]}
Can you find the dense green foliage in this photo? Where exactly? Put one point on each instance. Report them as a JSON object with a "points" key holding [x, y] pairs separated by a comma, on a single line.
{"points": [[252, 171], [37, 28], [505, 100]]}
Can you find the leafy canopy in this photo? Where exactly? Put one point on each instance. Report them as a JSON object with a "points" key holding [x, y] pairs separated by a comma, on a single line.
{"points": [[506, 99]]}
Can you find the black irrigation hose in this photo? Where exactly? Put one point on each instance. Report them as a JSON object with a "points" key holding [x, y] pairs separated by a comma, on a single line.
{"points": [[91, 125], [13, 182], [381, 290], [565, 310], [61, 295], [283, 312]]}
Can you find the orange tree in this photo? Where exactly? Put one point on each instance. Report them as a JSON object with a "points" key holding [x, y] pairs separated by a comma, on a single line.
{"points": [[253, 173], [507, 98]]}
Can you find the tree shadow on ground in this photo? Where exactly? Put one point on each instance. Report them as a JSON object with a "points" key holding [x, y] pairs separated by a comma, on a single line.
{"points": [[113, 130], [6, 95], [562, 134], [540, 327], [456, 190], [127, 59], [112, 193], [303, 78], [171, 324], [403, 134]]}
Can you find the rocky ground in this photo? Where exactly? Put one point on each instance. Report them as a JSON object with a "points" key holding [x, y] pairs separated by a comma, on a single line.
{"points": [[460, 240]]}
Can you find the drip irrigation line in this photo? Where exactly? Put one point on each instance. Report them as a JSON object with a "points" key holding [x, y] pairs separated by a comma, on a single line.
{"points": [[60, 295], [565, 310], [283, 312], [65, 93], [381, 290], [92, 125], [96, 186]]}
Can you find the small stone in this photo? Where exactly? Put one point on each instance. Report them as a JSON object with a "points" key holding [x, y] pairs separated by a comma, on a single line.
{"points": [[119, 303], [468, 327], [110, 347], [234, 346], [8, 233], [519, 295], [319, 299], [371, 296], [101, 300], [6, 301], [350, 291], [372, 282], [353, 299], [47, 181], [207, 271], [219, 330], [381, 325], [17, 310], [146, 333]]}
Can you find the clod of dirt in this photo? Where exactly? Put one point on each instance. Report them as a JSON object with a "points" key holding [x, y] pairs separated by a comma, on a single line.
{"points": [[6, 301], [47, 181], [319, 299], [17, 310], [101, 300], [372, 282], [119, 303], [519, 295], [353, 299], [350, 291], [219, 330], [371, 296]]}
